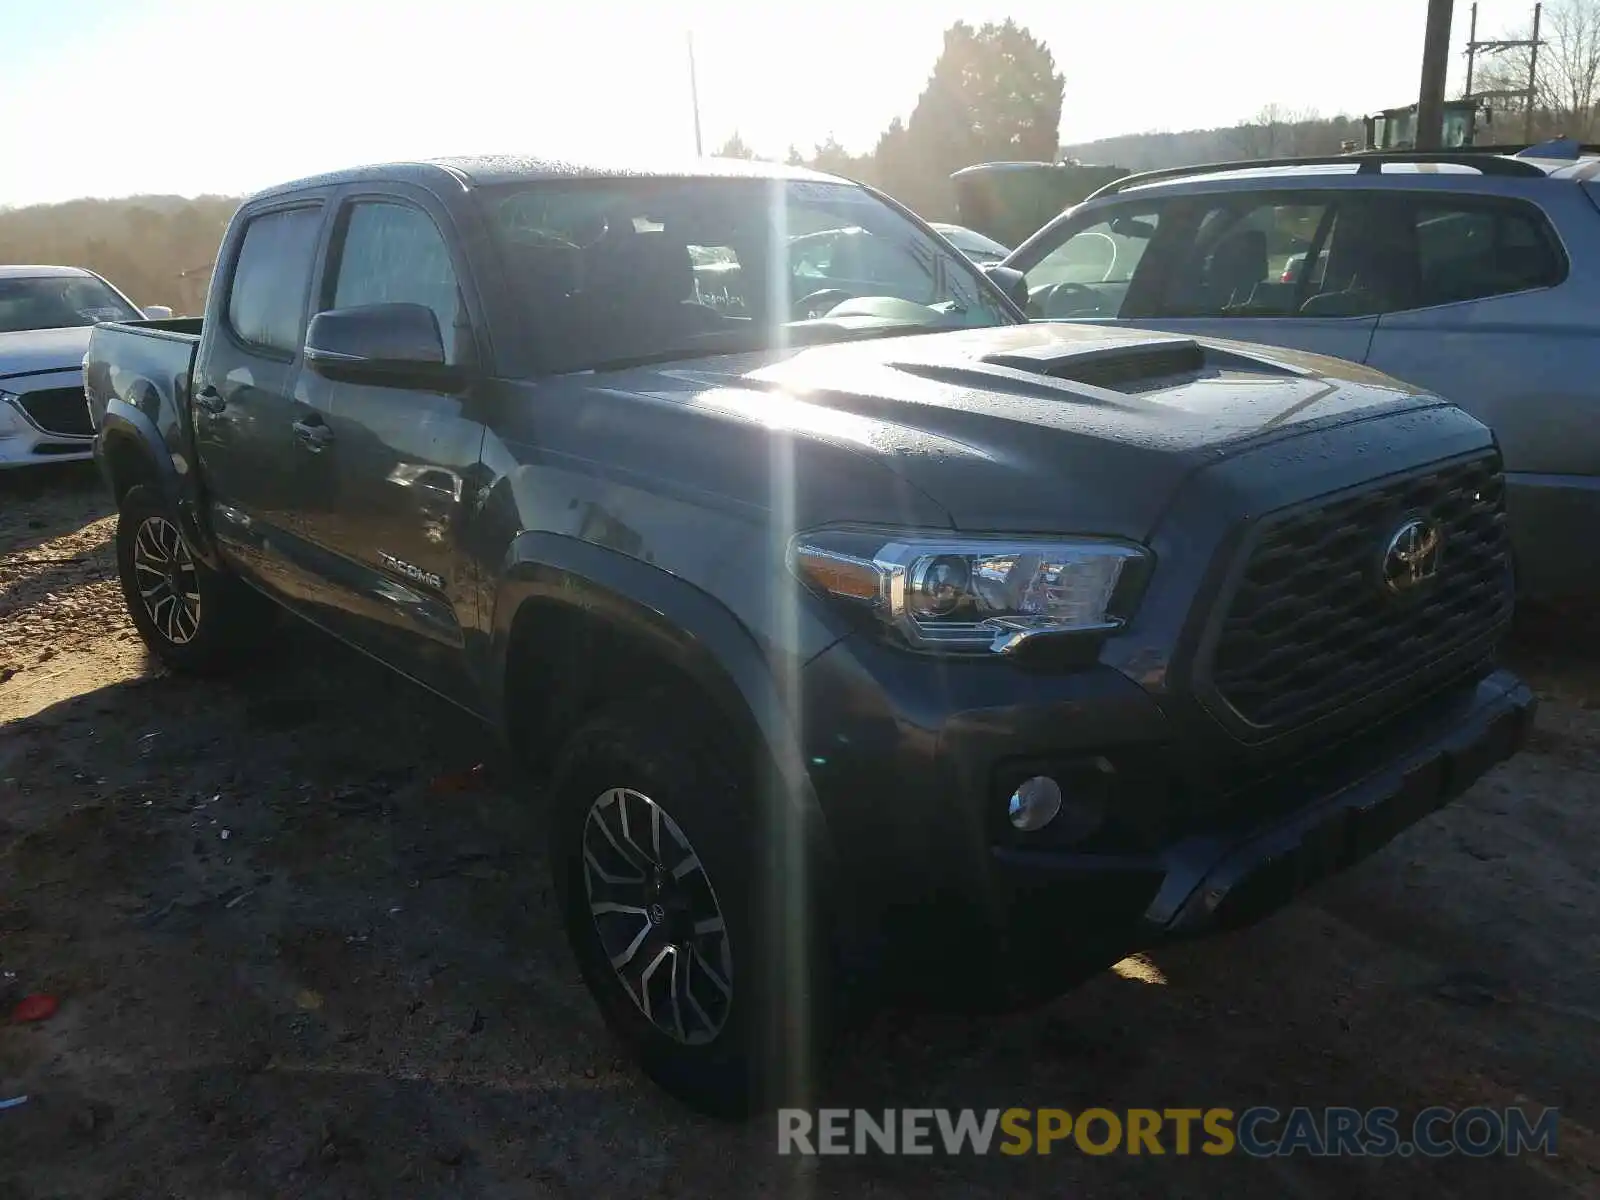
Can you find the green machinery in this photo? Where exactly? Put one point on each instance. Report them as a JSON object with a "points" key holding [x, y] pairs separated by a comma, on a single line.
{"points": [[1008, 201], [1396, 128]]}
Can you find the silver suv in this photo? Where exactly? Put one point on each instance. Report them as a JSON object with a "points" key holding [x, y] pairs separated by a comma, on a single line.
{"points": [[1470, 274]]}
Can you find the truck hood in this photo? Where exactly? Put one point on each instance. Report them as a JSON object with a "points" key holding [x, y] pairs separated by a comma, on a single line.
{"points": [[1038, 427], [32, 351]]}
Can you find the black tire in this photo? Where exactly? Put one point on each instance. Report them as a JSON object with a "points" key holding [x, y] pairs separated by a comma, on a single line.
{"points": [[771, 1022], [191, 617]]}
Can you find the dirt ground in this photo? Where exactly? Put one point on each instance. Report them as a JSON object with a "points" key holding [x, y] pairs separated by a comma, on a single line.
{"points": [[302, 951]]}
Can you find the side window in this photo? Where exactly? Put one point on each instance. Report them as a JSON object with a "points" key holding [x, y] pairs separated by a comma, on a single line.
{"points": [[394, 254], [719, 279], [1088, 274], [1246, 260], [1366, 266], [1470, 251], [811, 256], [894, 265], [267, 295]]}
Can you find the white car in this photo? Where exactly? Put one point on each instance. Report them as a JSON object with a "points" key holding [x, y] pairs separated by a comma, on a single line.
{"points": [[981, 250], [46, 314]]}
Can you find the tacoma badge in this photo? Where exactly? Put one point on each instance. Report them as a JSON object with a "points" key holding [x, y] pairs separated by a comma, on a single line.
{"points": [[416, 574]]}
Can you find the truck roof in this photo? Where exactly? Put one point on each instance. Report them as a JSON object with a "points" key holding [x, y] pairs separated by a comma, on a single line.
{"points": [[489, 169], [21, 271]]}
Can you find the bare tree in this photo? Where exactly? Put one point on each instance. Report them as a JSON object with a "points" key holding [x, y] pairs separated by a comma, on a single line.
{"points": [[1567, 81], [1279, 132]]}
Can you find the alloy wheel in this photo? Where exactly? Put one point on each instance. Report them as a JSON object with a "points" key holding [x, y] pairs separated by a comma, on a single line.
{"points": [[168, 580], [657, 916]]}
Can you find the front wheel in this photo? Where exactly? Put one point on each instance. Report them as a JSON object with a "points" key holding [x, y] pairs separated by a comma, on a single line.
{"points": [[688, 911], [193, 618]]}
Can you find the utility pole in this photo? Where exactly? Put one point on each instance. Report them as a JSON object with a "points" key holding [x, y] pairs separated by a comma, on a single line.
{"points": [[1529, 95], [1435, 71], [694, 98], [1472, 50], [1533, 74]]}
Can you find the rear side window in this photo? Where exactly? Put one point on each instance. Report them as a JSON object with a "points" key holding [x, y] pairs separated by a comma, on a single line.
{"points": [[1487, 248], [267, 297], [394, 254], [1246, 260]]}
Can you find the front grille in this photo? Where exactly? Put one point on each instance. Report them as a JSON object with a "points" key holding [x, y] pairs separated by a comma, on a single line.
{"points": [[58, 410], [1312, 627]]}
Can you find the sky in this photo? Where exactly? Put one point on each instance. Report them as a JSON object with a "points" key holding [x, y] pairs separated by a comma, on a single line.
{"points": [[120, 97]]}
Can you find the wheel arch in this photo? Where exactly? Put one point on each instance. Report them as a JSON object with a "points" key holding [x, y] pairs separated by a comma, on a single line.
{"points": [[578, 587], [653, 629], [132, 452]]}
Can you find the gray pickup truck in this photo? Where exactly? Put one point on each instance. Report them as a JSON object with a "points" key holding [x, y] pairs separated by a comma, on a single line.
{"points": [[855, 632]]}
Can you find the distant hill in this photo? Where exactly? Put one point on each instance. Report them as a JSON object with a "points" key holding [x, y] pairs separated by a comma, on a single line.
{"points": [[158, 249], [1271, 135]]}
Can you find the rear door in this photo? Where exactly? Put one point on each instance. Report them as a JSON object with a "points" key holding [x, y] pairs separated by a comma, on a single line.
{"points": [[1271, 267], [1506, 324], [262, 479], [407, 458], [1500, 325]]}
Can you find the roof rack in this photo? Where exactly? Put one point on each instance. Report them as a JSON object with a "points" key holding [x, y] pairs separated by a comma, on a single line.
{"points": [[1370, 162], [1524, 147]]}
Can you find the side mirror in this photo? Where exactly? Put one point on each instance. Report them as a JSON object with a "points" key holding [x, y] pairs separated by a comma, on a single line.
{"points": [[390, 345], [157, 312], [1010, 281], [1132, 227]]}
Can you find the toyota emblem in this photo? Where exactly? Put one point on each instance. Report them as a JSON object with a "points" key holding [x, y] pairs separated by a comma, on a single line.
{"points": [[1413, 555]]}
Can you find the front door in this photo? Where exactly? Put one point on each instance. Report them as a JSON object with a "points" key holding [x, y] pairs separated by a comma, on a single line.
{"points": [[263, 469], [407, 457], [1275, 268]]}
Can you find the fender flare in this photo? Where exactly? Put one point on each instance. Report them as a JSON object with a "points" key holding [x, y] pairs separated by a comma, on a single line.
{"points": [[704, 638], [123, 423], [694, 631]]}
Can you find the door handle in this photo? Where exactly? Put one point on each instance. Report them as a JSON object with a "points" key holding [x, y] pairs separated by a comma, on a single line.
{"points": [[313, 435], [210, 400]]}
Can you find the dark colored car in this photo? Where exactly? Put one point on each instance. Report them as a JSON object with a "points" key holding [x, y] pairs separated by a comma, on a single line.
{"points": [[859, 640]]}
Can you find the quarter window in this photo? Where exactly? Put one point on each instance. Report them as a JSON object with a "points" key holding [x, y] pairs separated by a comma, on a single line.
{"points": [[394, 254], [267, 297], [1485, 249]]}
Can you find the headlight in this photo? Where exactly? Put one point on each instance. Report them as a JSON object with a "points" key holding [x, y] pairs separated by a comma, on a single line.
{"points": [[974, 593], [10, 421]]}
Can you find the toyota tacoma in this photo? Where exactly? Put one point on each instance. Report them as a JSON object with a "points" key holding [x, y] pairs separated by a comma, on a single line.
{"points": [[853, 629]]}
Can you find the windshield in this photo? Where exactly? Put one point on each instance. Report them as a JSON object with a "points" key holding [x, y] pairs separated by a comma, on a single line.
{"points": [[58, 301], [615, 271], [973, 244]]}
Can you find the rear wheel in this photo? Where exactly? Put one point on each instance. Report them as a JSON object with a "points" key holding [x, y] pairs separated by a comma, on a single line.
{"points": [[191, 617], [697, 941]]}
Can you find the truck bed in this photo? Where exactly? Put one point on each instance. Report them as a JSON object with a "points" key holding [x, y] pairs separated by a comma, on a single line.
{"points": [[146, 365]]}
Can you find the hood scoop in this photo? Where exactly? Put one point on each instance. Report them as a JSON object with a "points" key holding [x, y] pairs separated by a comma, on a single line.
{"points": [[1121, 366]]}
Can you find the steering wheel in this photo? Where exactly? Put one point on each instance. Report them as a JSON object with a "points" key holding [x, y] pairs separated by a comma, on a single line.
{"points": [[1045, 299], [818, 303]]}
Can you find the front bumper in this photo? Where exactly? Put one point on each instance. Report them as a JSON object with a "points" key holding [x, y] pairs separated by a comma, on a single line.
{"points": [[1227, 883], [1326, 814], [910, 766], [24, 444]]}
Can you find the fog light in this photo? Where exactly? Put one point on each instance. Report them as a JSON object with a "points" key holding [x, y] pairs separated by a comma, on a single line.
{"points": [[1035, 803]]}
